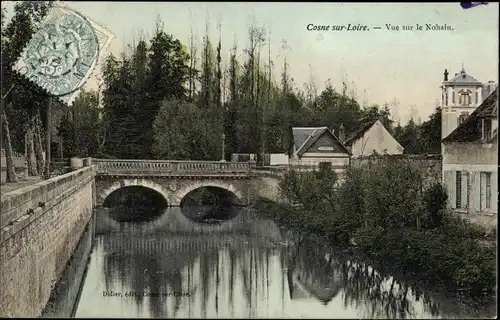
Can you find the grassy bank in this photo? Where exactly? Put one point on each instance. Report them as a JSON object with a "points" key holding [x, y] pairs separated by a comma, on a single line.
{"points": [[392, 218]]}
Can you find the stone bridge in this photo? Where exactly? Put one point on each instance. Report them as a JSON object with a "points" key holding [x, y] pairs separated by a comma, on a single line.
{"points": [[175, 179], [41, 224]]}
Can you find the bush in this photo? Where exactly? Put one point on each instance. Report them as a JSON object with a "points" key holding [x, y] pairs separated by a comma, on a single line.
{"points": [[391, 218], [435, 198]]}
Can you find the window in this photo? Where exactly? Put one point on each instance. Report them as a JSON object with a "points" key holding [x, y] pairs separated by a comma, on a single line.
{"points": [[488, 190], [486, 123], [477, 97], [453, 97], [446, 99], [324, 166], [485, 190], [463, 116], [464, 98], [459, 190], [462, 190]]}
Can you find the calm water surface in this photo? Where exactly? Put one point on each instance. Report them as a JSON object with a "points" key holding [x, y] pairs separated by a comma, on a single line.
{"points": [[172, 267]]}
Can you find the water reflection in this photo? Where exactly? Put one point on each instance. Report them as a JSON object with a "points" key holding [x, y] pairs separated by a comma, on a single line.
{"points": [[142, 271], [210, 214], [210, 205]]}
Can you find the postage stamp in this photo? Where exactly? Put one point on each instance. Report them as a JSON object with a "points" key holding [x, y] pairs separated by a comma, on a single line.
{"points": [[63, 53]]}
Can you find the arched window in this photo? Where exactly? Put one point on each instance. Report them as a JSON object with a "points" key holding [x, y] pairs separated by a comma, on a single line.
{"points": [[464, 97]]}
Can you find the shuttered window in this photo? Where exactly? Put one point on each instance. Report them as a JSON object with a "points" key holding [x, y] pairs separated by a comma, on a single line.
{"points": [[465, 190], [458, 189], [485, 193], [488, 190], [449, 183]]}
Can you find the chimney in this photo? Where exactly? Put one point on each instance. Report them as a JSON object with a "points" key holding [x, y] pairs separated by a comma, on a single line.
{"points": [[341, 133], [380, 117], [445, 74]]}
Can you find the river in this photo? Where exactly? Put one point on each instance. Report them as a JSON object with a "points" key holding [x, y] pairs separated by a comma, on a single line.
{"points": [[172, 267]]}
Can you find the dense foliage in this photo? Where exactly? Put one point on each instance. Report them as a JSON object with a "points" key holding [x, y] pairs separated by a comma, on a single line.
{"points": [[392, 215]]}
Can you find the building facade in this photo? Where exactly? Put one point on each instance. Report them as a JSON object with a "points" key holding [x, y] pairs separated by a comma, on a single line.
{"points": [[373, 138], [470, 152], [319, 146], [460, 96]]}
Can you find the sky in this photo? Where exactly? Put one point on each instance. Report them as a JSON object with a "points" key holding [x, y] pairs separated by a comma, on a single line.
{"points": [[379, 65]]}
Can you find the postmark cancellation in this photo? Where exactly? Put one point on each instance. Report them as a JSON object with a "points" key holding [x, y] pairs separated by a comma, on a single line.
{"points": [[63, 53]]}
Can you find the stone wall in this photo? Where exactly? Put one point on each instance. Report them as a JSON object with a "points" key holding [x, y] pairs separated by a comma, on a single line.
{"points": [[40, 228], [266, 186], [429, 165]]}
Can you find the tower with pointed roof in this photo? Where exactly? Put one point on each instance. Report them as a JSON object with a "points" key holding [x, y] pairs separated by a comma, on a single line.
{"points": [[460, 96]]}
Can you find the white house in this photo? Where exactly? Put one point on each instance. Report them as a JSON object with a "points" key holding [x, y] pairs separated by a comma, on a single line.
{"points": [[316, 146], [470, 159], [460, 96], [373, 138]]}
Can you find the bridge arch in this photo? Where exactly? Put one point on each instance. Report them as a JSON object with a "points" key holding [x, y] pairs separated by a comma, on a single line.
{"points": [[225, 185], [123, 183]]}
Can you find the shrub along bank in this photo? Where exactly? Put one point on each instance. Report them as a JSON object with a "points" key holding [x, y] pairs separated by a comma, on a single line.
{"points": [[390, 216]]}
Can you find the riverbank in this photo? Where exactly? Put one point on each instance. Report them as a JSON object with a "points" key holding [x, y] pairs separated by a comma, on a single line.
{"points": [[386, 215], [287, 217]]}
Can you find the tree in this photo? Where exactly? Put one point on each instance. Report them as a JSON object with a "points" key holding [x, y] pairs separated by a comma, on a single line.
{"points": [[183, 132], [79, 126], [254, 110], [332, 109], [192, 67], [10, 174], [430, 133], [168, 73], [231, 107], [313, 191], [124, 129], [373, 113], [410, 139], [19, 96], [140, 95]]}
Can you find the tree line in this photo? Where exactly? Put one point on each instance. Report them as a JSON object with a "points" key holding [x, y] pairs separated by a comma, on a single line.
{"points": [[163, 99]]}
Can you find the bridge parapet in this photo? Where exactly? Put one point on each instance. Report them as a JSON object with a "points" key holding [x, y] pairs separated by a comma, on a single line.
{"points": [[280, 170], [118, 166]]}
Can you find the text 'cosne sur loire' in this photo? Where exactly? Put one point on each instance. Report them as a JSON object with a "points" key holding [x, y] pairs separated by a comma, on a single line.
{"points": [[387, 26]]}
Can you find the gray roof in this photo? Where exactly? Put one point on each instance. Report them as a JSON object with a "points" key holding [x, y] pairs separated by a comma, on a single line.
{"points": [[469, 130], [462, 78], [359, 133], [300, 135], [304, 137]]}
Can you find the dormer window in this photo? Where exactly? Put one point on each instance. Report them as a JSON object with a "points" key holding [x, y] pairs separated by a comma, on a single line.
{"points": [[463, 116], [464, 97], [486, 130]]}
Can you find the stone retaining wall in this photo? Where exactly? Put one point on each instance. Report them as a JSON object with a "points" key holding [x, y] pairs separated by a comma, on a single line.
{"points": [[40, 228]]}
